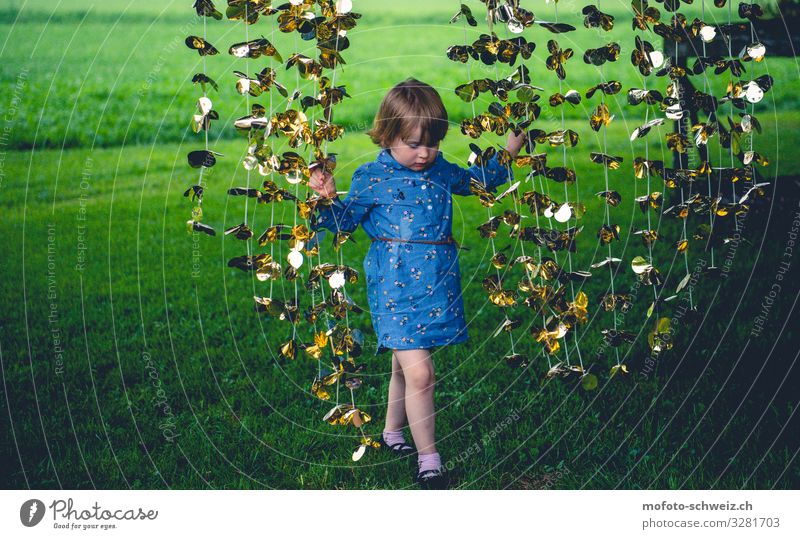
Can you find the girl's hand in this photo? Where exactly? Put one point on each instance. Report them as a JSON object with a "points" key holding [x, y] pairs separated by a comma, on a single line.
{"points": [[515, 143], [322, 182]]}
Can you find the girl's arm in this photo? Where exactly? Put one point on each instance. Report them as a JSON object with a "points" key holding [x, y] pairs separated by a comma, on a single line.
{"points": [[491, 174], [342, 215]]}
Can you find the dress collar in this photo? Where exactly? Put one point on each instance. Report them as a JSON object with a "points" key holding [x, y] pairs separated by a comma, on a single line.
{"points": [[385, 157]]}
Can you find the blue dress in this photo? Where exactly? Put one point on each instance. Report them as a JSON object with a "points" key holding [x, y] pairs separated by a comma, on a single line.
{"points": [[414, 289]]}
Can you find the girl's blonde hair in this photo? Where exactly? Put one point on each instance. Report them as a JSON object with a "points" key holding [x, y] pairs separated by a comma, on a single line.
{"points": [[409, 105]]}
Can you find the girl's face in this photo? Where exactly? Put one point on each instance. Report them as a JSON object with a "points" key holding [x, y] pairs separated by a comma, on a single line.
{"points": [[410, 152]]}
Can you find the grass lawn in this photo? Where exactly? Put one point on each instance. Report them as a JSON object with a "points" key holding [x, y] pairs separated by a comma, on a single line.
{"points": [[132, 357], [118, 72]]}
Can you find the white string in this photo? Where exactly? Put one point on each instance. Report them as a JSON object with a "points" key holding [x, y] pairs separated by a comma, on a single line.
{"points": [[249, 142], [545, 189], [566, 201], [204, 124], [708, 176], [730, 108], [647, 171], [483, 172], [680, 187], [751, 166], [607, 211]]}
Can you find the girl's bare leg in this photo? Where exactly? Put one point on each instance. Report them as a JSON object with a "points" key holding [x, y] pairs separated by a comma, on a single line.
{"points": [[396, 406], [418, 374]]}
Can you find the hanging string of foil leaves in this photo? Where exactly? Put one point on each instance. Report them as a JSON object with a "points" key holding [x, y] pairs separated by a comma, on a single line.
{"points": [[576, 212], [677, 101], [542, 287], [504, 299], [326, 22], [681, 102], [547, 298], [643, 168], [205, 158], [609, 233]]}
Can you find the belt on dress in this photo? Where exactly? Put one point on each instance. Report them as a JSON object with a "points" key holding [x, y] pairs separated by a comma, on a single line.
{"points": [[449, 240]]}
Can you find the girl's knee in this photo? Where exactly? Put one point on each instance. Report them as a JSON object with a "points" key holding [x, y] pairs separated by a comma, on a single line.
{"points": [[417, 368], [420, 376]]}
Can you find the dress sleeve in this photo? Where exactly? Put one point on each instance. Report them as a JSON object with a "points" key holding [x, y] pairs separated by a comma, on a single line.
{"points": [[345, 215], [492, 174]]}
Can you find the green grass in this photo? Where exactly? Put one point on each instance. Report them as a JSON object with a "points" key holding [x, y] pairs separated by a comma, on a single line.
{"points": [[244, 419], [226, 365], [118, 72]]}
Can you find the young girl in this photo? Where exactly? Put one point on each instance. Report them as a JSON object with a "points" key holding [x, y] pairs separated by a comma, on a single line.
{"points": [[403, 201]]}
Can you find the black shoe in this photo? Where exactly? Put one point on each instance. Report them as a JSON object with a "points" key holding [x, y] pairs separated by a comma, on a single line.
{"points": [[401, 448], [432, 480]]}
